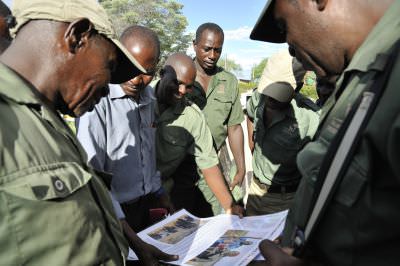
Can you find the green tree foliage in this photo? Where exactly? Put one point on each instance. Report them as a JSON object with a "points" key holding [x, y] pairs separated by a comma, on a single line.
{"points": [[163, 16], [309, 86], [229, 65], [245, 87], [258, 70]]}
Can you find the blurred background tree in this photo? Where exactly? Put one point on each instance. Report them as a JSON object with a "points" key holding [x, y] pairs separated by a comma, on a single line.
{"points": [[165, 17], [229, 65], [309, 85], [258, 70]]}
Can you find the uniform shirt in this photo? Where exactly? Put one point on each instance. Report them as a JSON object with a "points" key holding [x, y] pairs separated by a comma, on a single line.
{"points": [[220, 104], [119, 138], [181, 131], [54, 210], [276, 147], [361, 222]]}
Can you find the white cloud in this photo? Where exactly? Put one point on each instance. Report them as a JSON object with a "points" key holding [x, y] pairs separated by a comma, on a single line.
{"points": [[249, 53], [241, 33], [243, 51]]}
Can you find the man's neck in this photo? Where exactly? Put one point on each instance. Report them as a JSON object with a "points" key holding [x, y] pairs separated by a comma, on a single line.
{"points": [[32, 70], [371, 13], [205, 72]]}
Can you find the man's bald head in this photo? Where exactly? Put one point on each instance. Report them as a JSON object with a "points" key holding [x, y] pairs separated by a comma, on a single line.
{"points": [[142, 37], [144, 45], [177, 76], [184, 67]]}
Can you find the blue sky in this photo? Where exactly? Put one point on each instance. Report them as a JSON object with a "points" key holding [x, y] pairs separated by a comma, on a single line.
{"points": [[236, 18]]}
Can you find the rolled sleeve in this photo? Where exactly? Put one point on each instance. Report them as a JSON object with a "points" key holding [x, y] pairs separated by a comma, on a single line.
{"points": [[204, 151], [252, 103], [236, 117]]}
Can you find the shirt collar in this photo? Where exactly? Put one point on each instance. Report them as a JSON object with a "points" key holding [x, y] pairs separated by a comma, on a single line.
{"points": [[16, 88], [146, 96]]}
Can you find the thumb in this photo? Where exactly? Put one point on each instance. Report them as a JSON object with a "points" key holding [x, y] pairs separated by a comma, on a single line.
{"points": [[235, 182]]}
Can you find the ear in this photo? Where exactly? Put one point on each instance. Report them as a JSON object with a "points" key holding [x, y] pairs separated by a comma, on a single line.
{"points": [[77, 34], [194, 43], [321, 4]]}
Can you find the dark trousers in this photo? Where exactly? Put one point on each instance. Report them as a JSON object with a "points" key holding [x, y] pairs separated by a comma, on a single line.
{"points": [[185, 193], [137, 212]]}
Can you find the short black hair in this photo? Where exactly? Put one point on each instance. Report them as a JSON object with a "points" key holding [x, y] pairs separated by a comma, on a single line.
{"points": [[141, 32], [208, 26]]}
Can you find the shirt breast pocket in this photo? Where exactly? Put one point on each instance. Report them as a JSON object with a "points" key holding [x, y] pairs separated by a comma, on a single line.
{"points": [[222, 106], [50, 204], [352, 185], [174, 142], [289, 139]]}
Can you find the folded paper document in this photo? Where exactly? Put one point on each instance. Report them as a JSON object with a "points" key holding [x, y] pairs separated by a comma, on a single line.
{"points": [[219, 240]]}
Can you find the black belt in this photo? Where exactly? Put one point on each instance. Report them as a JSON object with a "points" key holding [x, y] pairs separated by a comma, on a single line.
{"points": [[275, 188]]}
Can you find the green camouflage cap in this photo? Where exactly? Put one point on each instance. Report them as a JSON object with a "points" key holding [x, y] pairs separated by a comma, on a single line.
{"points": [[70, 10], [282, 74], [266, 29]]}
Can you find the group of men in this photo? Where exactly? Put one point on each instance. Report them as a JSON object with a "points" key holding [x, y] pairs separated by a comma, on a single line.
{"points": [[160, 140], [74, 55]]}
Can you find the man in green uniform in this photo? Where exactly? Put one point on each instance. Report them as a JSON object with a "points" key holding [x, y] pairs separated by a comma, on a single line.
{"points": [[283, 124], [181, 132], [359, 225], [216, 93], [54, 209]]}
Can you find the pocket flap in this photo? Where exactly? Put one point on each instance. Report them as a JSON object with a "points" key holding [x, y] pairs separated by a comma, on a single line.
{"points": [[47, 181]]}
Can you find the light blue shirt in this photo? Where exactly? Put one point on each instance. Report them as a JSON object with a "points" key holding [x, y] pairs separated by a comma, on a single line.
{"points": [[119, 138]]}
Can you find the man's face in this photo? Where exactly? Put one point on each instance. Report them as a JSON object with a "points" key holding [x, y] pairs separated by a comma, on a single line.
{"points": [[186, 77], [272, 104], [148, 58], [310, 34], [175, 82], [89, 73], [208, 49]]}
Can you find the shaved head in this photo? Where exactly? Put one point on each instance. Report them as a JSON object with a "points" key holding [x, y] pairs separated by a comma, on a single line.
{"points": [[177, 76], [183, 65]]}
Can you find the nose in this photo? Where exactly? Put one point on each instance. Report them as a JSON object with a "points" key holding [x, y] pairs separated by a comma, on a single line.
{"points": [[213, 54]]}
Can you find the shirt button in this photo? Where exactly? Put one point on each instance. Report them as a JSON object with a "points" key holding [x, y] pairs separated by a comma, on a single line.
{"points": [[59, 185]]}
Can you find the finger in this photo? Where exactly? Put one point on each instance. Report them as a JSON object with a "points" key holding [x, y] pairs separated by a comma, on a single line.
{"points": [[167, 257], [238, 210], [233, 185], [275, 256]]}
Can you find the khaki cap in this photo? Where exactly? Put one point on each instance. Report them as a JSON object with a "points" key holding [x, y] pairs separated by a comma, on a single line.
{"points": [[281, 76], [266, 29], [70, 10]]}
